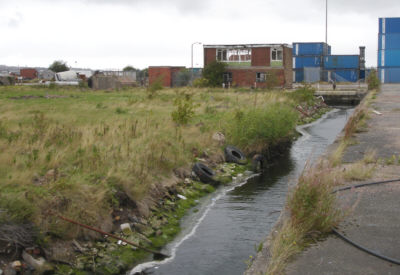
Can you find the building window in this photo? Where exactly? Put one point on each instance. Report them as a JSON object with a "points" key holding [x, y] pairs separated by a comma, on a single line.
{"points": [[222, 55], [276, 55], [235, 56], [261, 77]]}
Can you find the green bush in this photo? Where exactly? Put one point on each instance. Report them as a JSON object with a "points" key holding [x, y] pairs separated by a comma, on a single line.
{"points": [[303, 95], [214, 73], [59, 66], [373, 80], [200, 83], [154, 87], [14, 207], [260, 126], [119, 110], [184, 109]]}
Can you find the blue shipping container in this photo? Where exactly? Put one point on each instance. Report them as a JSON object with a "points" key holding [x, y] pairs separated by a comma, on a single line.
{"points": [[301, 49], [298, 75], [389, 58], [329, 50], [389, 75], [389, 25], [341, 62], [390, 41], [343, 75], [300, 62]]}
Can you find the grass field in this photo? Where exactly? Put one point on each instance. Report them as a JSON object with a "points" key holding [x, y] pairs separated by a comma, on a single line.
{"points": [[71, 150]]}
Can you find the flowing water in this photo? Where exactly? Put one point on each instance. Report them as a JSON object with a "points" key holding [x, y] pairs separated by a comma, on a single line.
{"points": [[225, 229]]}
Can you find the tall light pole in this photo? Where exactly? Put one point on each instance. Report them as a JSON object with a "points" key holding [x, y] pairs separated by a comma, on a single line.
{"points": [[191, 76], [326, 22]]}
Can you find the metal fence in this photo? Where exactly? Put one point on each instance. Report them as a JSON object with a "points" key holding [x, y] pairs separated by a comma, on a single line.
{"points": [[185, 77]]}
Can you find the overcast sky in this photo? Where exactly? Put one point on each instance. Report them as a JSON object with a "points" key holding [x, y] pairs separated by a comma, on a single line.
{"points": [[110, 34]]}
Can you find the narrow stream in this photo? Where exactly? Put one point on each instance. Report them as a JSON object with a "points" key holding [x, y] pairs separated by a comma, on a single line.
{"points": [[225, 229]]}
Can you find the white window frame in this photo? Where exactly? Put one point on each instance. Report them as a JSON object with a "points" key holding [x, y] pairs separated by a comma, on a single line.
{"points": [[276, 51], [227, 52], [221, 51]]}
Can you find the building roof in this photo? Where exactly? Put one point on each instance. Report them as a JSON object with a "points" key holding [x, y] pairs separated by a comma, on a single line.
{"points": [[242, 46], [168, 67]]}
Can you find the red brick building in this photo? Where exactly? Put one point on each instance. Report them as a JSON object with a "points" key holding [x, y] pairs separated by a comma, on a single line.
{"points": [[29, 73], [165, 73], [249, 65]]}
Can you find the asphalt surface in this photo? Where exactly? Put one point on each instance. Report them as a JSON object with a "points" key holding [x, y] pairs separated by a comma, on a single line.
{"points": [[383, 133], [374, 212]]}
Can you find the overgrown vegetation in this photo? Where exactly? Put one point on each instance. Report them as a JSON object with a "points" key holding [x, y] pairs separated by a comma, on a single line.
{"points": [[312, 211], [304, 94], [373, 80], [200, 82], [85, 154], [213, 73], [59, 66], [157, 85], [184, 109], [254, 128]]}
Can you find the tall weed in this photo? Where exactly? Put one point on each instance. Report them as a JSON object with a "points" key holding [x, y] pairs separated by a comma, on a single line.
{"points": [[303, 95], [260, 126]]}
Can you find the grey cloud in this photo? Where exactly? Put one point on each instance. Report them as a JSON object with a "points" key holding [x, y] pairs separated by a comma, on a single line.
{"points": [[15, 21], [180, 5], [362, 6]]}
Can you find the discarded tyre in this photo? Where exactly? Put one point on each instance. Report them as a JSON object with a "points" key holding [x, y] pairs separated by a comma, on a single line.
{"points": [[258, 163], [204, 173], [233, 154]]}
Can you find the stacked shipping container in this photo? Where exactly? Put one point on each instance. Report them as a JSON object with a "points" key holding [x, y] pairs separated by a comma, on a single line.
{"points": [[313, 62], [342, 68], [307, 58], [389, 50]]}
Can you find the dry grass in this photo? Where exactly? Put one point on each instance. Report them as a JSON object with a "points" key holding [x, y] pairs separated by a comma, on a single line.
{"points": [[358, 171], [335, 158], [312, 210], [370, 156], [287, 243], [74, 153], [355, 121]]}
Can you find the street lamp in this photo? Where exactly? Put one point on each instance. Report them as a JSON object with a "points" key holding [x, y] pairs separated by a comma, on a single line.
{"points": [[326, 22], [191, 77]]}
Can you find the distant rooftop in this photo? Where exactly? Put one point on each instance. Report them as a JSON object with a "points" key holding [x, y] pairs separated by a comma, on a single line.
{"points": [[241, 46]]}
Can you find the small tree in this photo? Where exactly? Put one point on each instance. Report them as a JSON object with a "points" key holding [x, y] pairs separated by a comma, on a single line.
{"points": [[214, 73], [129, 68], [184, 109], [59, 66], [155, 86]]}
